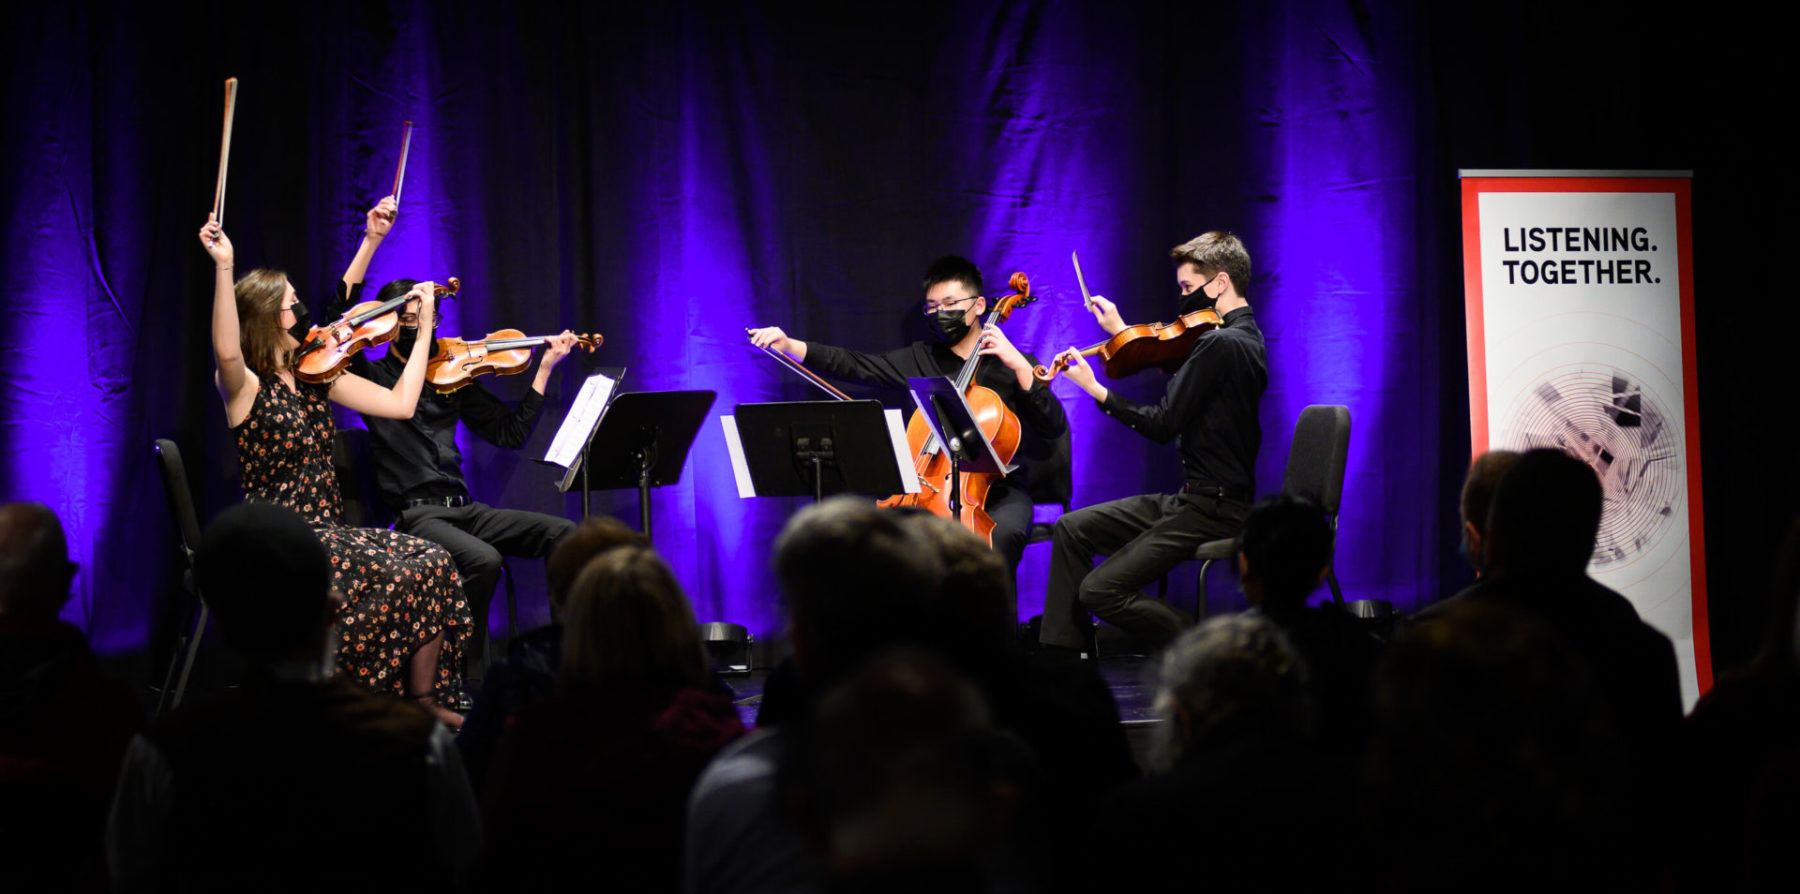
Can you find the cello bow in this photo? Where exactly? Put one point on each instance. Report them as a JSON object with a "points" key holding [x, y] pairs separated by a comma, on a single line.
{"points": [[805, 373]]}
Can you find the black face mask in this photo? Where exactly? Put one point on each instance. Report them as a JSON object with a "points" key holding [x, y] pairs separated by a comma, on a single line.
{"points": [[1198, 299], [951, 325], [404, 339], [302, 322]]}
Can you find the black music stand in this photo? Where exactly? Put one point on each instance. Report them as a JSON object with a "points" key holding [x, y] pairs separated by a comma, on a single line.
{"points": [[641, 441], [816, 448], [953, 423]]}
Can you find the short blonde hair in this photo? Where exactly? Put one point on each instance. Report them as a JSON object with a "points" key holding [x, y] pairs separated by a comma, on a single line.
{"points": [[1217, 252], [630, 622]]}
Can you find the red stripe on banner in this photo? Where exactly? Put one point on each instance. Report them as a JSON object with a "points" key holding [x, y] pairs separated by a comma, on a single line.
{"points": [[1471, 221], [1691, 397]]}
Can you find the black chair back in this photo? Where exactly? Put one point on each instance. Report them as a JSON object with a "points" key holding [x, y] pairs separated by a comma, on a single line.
{"points": [[180, 496], [187, 528], [1321, 448]]}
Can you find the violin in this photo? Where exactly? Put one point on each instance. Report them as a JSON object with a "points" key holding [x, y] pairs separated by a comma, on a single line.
{"points": [[1136, 348], [328, 349], [456, 362], [999, 425]]}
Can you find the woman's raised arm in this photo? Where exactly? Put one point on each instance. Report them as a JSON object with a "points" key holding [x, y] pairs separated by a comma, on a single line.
{"points": [[228, 349]]}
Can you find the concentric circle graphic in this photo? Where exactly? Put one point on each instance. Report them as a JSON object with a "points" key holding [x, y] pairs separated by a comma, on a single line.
{"points": [[1605, 418]]}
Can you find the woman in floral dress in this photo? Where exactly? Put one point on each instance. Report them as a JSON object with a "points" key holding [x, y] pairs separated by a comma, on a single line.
{"points": [[403, 621]]}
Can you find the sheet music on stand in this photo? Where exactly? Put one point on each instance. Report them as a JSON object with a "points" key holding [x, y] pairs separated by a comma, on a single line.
{"points": [[584, 415]]}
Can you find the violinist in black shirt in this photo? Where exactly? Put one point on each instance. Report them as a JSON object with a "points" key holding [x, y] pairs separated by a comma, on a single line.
{"points": [[954, 301], [418, 466], [1210, 409]]}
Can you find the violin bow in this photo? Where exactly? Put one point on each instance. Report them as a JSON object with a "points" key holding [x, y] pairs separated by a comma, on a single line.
{"points": [[1086, 299], [805, 373], [225, 151], [400, 172]]}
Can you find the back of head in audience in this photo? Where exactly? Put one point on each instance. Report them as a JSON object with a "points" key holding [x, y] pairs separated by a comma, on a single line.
{"points": [[976, 593], [1284, 551], [1477, 495], [1495, 756], [855, 578], [1233, 677], [901, 770], [1544, 518], [628, 621], [589, 539], [267, 579], [35, 571]]}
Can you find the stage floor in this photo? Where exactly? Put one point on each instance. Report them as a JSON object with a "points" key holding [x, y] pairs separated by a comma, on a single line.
{"points": [[1128, 676]]}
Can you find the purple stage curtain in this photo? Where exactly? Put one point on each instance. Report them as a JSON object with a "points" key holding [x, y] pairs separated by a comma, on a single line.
{"points": [[668, 174]]}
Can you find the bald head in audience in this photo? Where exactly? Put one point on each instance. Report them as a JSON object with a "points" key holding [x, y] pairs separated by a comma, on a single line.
{"points": [[35, 571]]}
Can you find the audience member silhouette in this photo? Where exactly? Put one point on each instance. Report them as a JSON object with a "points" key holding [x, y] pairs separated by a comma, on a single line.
{"points": [[903, 781], [527, 674], [1061, 709], [64, 725], [298, 780], [1741, 756], [856, 580], [1540, 536], [1477, 496], [1495, 760], [590, 787], [1541, 530], [1241, 785], [1283, 553]]}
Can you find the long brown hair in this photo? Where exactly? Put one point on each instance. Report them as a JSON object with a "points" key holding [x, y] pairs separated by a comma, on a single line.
{"points": [[629, 622], [260, 336]]}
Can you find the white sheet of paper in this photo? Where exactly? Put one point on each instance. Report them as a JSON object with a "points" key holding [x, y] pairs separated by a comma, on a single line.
{"points": [[589, 404], [734, 445], [902, 450]]}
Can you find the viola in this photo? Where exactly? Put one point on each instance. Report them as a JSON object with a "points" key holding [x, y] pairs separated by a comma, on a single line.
{"points": [[1136, 348], [998, 424], [456, 362], [328, 348]]}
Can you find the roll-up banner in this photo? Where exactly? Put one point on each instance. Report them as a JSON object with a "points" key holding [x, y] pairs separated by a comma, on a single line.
{"points": [[1580, 292]]}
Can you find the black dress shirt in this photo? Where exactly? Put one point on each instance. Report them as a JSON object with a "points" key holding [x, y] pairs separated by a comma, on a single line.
{"points": [[1210, 407], [1040, 414], [418, 458]]}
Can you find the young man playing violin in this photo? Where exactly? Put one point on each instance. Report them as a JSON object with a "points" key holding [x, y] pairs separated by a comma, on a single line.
{"points": [[1209, 409], [418, 466], [954, 302]]}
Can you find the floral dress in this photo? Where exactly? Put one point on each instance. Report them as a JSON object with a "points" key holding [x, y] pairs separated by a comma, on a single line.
{"points": [[399, 591]]}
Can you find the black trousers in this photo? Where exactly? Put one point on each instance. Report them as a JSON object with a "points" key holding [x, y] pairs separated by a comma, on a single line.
{"points": [[1010, 508], [477, 535], [1142, 538]]}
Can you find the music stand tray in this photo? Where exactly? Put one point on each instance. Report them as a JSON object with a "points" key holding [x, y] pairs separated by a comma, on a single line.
{"points": [[818, 448], [642, 441]]}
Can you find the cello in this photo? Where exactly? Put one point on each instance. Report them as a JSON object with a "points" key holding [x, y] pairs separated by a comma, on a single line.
{"points": [[999, 425]]}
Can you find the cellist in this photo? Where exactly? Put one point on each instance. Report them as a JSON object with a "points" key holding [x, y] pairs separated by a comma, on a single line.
{"points": [[1210, 409], [954, 302]]}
